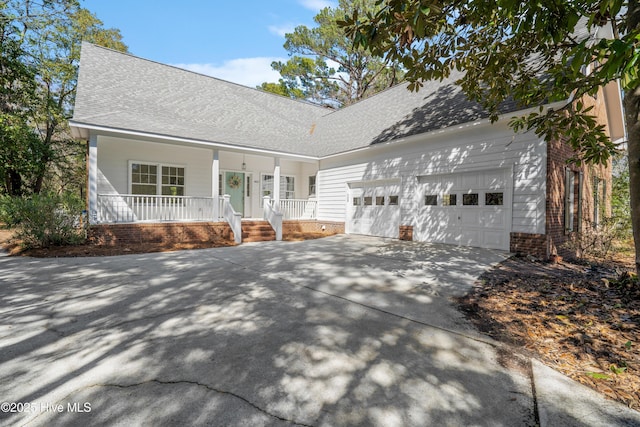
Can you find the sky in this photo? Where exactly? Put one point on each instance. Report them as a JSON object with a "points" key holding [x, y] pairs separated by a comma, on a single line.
{"points": [[231, 40]]}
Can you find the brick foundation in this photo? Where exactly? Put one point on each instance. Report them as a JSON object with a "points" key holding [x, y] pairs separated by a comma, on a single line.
{"points": [[193, 232], [312, 226], [406, 232], [529, 244], [184, 232]]}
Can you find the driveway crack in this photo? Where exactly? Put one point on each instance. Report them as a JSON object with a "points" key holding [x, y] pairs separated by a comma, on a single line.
{"points": [[199, 384]]}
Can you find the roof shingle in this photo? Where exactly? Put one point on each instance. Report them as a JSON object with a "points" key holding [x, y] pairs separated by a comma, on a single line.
{"points": [[121, 91]]}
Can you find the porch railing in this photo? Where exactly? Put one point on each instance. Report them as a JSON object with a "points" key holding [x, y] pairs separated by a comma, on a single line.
{"points": [[133, 208], [298, 208], [232, 217], [272, 216]]}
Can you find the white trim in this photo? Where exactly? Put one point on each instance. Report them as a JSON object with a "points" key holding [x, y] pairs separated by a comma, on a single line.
{"points": [[409, 139], [93, 179], [159, 177], [276, 181], [192, 141], [215, 182]]}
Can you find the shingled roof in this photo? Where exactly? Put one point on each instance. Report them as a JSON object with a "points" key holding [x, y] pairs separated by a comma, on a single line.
{"points": [[123, 92]]}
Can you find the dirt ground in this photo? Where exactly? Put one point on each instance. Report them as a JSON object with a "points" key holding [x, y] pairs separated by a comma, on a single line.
{"points": [[579, 318]]}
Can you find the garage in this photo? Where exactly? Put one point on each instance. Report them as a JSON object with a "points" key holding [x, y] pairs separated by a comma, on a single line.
{"points": [[469, 209], [374, 208]]}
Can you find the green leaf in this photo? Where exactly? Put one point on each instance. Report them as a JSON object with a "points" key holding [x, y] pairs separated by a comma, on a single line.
{"points": [[598, 376], [616, 370]]}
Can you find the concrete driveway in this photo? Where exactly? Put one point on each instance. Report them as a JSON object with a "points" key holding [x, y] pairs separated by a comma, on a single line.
{"points": [[345, 330]]}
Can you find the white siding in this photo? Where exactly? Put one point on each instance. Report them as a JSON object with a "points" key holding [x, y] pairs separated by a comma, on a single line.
{"points": [[480, 148], [114, 155]]}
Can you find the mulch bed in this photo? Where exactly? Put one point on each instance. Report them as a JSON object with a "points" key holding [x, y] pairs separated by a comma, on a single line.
{"points": [[583, 320], [90, 249]]}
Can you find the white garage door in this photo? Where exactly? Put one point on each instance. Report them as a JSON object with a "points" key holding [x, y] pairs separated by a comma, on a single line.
{"points": [[374, 209], [469, 209]]}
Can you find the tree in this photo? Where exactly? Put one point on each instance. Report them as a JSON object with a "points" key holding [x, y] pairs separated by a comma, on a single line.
{"points": [[308, 78], [326, 68], [531, 52], [41, 49], [17, 90], [620, 197]]}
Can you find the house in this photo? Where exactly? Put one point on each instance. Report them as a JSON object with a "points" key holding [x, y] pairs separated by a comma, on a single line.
{"points": [[178, 152]]}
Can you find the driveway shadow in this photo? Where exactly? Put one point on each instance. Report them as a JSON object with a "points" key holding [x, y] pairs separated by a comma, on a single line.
{"points": [[305, 333]]}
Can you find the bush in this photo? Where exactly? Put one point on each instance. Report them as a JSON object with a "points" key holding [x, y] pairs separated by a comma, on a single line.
{"points": [[44, 220], [597, 241]]}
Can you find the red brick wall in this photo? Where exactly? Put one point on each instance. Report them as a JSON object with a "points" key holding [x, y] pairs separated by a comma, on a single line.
{"points": [[406, 232], [193, 232], [529, 244], [558, 154], [184, 232], [312, 226]]}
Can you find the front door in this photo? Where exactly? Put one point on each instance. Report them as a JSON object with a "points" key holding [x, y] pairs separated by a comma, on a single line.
{"points": [[234, 187]]}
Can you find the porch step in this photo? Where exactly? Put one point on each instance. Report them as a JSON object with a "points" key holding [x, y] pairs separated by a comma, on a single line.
{"points": [[257, 231]]}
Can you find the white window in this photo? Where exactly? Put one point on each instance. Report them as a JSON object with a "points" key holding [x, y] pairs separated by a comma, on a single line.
{"points": [[172, 181], [312, 185], [154, 178], [569, 199], [266, 184], [144, 179], [599, 200], [287, 186]]}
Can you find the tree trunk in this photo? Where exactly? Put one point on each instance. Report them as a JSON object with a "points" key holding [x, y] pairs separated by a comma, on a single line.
{"points": [[15, 183], [632, 115], [45, 159], [632, 110]]}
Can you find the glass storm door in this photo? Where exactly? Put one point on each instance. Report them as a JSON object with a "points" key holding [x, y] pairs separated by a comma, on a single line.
{"points": [[234, 186]]}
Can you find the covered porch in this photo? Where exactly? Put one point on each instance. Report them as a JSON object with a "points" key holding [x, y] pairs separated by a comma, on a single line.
{"points": [[139, 180]]}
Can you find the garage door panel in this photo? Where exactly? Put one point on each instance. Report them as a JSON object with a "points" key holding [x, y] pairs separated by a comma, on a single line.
{"points": [[494, 218], [494, 180], [378, 213], [469, 237], [470, 217], [494, 239], [469, 181], [485, 224]]}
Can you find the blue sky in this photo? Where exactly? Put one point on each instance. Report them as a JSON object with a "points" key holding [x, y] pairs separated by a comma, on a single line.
{"points": [[232, 40]]}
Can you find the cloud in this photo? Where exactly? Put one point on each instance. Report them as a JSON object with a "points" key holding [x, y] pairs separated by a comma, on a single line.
{"points": [[281, 30], [317, 4], [245, 71]]}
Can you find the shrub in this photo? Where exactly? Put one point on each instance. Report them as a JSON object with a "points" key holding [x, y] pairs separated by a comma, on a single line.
{"points": [[44, 220], [597, 241]]}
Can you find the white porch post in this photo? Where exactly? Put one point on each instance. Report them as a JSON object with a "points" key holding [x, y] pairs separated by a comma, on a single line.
{"points": [[276, 182], [215, 184], [93, 179]]}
